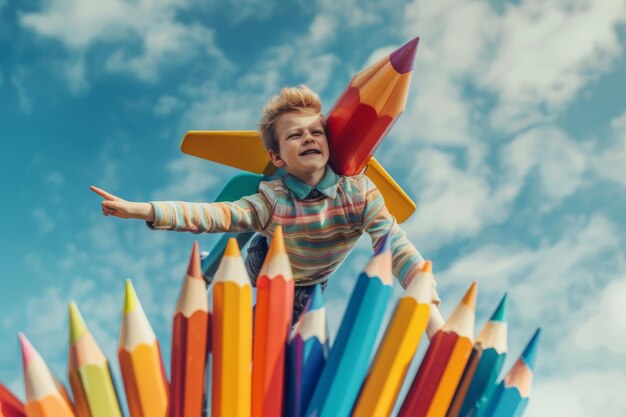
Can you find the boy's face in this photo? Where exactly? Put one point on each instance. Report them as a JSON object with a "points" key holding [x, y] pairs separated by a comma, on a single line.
{"points": [[303, 147]]}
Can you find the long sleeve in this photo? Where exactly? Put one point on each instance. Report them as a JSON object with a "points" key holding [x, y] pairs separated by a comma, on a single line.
{"points": [[377, 221], [250, 213]]}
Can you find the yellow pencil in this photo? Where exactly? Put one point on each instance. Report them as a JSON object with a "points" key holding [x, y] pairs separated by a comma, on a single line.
{"points": [[89, 373], [397, 348], [232, 336], [140, 361]]}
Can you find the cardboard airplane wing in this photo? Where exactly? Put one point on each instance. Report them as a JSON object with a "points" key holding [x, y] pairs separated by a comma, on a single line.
{"points": [[243, 149]]}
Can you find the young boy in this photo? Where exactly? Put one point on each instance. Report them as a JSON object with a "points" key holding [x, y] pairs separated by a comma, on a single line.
{"points": [[322, 214]]}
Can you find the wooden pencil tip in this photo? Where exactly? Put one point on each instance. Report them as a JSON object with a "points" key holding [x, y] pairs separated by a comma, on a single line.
{"points": [[469, 299], [232, 248], [402, 58], [130, 297], [530, 352], [28, 351], [77, 324], [427, 267], [194, 269], [277, 246]]}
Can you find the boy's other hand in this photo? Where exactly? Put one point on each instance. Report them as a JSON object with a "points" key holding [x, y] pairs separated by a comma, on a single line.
{"points": [[118, 207]]}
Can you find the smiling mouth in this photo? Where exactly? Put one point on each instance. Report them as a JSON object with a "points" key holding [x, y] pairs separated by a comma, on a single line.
{"points": [[310, 152]]}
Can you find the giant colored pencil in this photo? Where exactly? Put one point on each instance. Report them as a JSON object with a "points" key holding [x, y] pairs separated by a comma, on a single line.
{"points": [[232, 336], [367, 109], [43, 398], [140, 361], [10, 406], [443, 364], [341, 379], [272, 321], [511, 396], [397, 348], [63, 391], [89, 373], [483, 366], [190, 341], [308, 351]]}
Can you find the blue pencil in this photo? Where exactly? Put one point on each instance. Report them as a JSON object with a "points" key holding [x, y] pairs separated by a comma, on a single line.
{"points": [[308, 351], [511, 396], [483, 366], [347, 364]]}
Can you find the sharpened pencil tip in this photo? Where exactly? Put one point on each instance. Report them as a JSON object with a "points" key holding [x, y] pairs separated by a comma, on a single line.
{"points": [[469, 299], [194, 269], [402, 58], [232, 248]]}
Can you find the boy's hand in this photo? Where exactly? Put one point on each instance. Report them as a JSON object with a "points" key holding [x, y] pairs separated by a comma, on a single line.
{"points": [[115, 206]]}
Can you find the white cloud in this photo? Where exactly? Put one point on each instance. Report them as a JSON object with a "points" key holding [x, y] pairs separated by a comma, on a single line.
{"points": [[610, 161], [54, 178], [545, 55], [557, 286], [582, 394], [146, 35], [19, 79], [190, 180], [593, 332], [561, 162], [166, 105], [45, 224]]}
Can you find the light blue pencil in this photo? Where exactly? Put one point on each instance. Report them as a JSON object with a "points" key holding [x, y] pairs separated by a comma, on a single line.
{"points": [[347, 364]]}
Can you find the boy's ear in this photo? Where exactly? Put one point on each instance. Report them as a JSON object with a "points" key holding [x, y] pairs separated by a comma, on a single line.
{"points": [[276, 159]]}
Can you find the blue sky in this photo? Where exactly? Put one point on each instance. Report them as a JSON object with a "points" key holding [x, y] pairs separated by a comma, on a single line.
{"points": [[512, 144]]}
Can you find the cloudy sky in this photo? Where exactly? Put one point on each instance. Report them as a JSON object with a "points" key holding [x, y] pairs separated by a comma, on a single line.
{"points": [[512, 144]]}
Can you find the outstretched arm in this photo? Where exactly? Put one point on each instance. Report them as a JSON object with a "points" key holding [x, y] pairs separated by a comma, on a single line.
{"points": [[118, 207]]}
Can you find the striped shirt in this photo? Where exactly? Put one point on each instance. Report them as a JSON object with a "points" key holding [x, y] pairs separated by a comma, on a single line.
{"points": [[320, 224]]}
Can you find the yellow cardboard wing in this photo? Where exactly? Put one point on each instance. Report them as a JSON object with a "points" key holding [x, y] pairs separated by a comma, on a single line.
{"points": [[244, 149]]}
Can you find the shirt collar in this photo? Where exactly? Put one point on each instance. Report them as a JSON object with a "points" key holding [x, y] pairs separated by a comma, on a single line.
{"points": [[327, 186]]}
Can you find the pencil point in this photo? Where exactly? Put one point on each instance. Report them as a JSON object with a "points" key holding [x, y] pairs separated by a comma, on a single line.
{"points": [[530, 352], [500, 313], [469, 299], [277, 245], [402, 58], [77, 324], [317, 299], [28, 351], [194, 269], [232, 248], [130, 298]]}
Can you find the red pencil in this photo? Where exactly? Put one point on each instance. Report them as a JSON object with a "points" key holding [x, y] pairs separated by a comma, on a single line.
{"points": [[272, 321], [367, 110], [190, 343]]}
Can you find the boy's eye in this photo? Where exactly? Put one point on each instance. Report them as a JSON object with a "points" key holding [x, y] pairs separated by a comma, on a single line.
{"points": [[318, 132], [293, 136]]}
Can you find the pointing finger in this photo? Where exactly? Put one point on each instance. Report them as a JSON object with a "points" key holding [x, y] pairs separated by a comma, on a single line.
{"points": [[103, 194]]}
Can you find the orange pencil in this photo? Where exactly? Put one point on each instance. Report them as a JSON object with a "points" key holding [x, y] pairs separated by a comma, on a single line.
{"points": [[63, 391], [10, 406], [272, 322], [440, 371], [190, 343], [89, 372], [232, 336], [397, 348], [42, 396], [140, 361]]}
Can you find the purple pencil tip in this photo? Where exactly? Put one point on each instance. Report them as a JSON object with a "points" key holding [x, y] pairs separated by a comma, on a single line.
{"points": [[402, 58]]}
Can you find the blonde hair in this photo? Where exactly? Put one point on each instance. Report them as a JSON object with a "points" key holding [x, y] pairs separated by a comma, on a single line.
{"points": [[300, 99]]}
